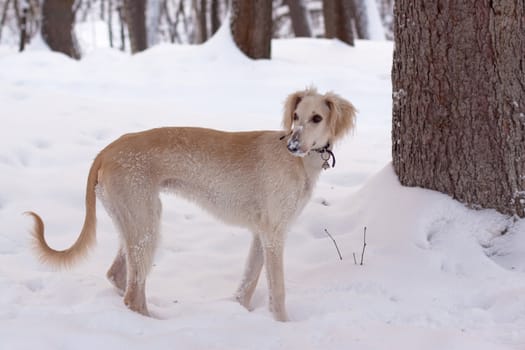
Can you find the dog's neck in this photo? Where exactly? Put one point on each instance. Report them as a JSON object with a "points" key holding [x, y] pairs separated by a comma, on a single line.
{"points": [[315, 161]]}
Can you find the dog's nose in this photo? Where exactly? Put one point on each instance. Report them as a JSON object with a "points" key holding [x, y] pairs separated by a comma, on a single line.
{"points": [[293, 144], [292, 148]]}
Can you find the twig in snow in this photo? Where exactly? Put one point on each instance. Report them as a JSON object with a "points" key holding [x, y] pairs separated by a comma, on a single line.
{"points": [[363, 251], [364, 245], [335, 243]]}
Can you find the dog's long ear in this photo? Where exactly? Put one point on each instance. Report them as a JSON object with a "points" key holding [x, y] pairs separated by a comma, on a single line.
{"points": [[289, 107], [342, 115]]}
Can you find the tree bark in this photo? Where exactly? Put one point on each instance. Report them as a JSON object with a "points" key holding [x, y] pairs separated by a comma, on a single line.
{"points": [[338, 19], [251, 26], [459, 100], [199, 16], [300, 17], [57, 27], [134, 12], [122, 24], [23, 30], [215, 17]]}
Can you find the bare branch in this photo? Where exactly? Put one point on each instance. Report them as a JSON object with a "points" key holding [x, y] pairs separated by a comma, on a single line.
{"points": [[4, 16], [335, 244]]}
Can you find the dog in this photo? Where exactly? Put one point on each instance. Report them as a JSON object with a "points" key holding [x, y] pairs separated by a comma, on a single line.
{"points": [[260, 180]]}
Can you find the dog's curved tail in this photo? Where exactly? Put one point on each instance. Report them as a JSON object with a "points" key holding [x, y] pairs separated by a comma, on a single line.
{"points": [[87, 238]]}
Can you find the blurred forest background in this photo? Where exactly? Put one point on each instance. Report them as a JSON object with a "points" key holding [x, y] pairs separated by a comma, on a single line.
{"points": [[135, 25]]}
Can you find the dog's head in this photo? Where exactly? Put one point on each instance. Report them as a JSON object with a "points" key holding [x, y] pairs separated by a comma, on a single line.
{"points": [[314, 120]]}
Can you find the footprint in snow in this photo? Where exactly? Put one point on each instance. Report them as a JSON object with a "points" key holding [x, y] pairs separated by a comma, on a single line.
{"points": [[41, 143], [34, 285], [23, 157], [101, 134], [15, 158], [96, 136]]}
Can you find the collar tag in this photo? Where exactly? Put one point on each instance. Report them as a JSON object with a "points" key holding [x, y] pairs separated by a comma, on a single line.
{"points": [[326, 154]]}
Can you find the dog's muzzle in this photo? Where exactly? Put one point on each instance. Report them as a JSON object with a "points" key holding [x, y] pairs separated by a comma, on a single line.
{"points": [[294, 144]]}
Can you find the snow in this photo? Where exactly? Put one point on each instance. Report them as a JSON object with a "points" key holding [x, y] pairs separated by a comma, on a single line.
{"points": [[436, 275], [375, 25]]}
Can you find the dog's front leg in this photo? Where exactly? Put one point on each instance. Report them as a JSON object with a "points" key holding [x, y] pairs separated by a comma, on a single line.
{"points": [[273, 260]]}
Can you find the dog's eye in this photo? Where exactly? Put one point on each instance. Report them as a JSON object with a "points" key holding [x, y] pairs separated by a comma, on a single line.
{"points": [[295, 116], [317, 118]]}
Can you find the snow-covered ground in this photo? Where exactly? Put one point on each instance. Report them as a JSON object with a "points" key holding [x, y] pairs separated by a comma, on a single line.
{"points": [[435, 276]]}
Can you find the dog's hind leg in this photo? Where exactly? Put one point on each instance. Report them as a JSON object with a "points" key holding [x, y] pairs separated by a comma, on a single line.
{"points": [[135, 295], [135, 211], [141, 239], [117, 272], [252, 271]]}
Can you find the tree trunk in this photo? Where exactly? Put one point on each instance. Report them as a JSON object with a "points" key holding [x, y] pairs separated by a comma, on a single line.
{"points": [[300, 17], [361, 18], [459, 100], [251, 26], [102, 10], [215, 16], [110, 22], [134, 12], [23, 30], [199, 16], [122, 24], [57, 27], [338, 20]]}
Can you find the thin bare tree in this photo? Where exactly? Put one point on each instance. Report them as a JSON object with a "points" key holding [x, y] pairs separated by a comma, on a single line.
{"points": [[360, 16], [215, 16], [134, 12], [200, 10]]}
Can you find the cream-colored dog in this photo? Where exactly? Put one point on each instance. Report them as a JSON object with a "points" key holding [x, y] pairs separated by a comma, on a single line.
{"points": [[260, 180]]}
